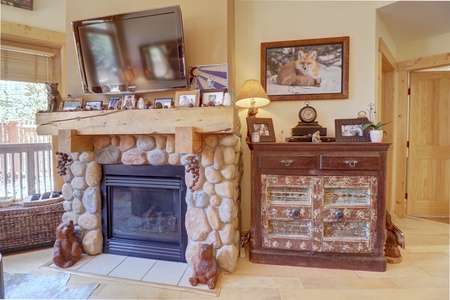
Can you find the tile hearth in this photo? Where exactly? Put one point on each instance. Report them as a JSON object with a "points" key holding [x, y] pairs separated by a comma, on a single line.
{"points": [[158, 273]]}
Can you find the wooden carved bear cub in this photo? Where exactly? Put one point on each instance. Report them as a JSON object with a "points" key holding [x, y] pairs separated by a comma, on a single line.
{"points": [[206, 269], [67, 250]]}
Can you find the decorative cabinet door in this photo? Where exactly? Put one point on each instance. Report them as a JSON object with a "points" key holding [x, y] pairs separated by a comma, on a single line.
{"points": [[291, 212], [349, 213]]}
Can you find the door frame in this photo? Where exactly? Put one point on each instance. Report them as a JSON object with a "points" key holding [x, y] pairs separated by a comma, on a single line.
{"points": [[401, 123]]}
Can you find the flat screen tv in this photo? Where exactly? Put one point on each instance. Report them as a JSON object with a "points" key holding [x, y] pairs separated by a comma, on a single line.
{"points": [[131, 52]]}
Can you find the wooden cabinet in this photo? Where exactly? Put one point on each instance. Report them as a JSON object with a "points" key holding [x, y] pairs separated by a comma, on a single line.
{"points": [[319, 204]]}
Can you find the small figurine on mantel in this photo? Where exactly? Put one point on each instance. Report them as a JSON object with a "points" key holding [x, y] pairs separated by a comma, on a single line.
{"points": [[206, 269]]}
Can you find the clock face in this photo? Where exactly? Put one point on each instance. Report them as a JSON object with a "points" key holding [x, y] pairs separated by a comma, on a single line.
{"points": [[307, 114]]}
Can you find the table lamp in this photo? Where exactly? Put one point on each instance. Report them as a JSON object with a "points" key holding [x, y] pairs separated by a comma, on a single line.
{"points": [[252, 96]]}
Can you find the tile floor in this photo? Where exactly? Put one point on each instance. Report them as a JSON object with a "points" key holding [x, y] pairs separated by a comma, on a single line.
{"points": [[147, 271], [423, 274]]}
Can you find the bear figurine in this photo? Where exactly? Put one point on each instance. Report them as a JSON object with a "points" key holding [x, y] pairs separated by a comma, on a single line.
{"points": [[66, 250], [206, 270]]}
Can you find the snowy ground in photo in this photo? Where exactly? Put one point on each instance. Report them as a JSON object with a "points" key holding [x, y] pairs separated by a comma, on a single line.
{"points": [[330, 84]]}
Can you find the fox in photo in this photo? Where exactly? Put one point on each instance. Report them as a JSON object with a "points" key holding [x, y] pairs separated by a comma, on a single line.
{"points": [[301, 72]]}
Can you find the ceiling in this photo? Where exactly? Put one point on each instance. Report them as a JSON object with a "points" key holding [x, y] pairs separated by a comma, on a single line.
{"points": [[412, 20]]}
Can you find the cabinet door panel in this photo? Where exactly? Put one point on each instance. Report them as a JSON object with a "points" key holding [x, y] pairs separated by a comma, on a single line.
{"points": [[290, 212], [349, 213]]}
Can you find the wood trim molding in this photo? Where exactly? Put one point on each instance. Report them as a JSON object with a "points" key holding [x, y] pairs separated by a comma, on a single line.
{"points": [[36, 35], [426, 62]]}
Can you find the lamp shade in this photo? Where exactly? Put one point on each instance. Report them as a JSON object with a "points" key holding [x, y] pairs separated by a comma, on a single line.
{"points": [[252, 95]]}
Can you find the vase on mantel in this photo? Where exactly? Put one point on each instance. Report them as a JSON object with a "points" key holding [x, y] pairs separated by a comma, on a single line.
{"points": [[376, 136]]}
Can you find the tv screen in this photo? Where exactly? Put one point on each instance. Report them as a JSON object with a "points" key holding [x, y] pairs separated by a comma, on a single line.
{"points": [[131, 52]]}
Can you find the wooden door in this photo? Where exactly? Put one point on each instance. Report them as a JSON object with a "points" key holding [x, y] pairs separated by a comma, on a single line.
{"points": [[428, 183]]}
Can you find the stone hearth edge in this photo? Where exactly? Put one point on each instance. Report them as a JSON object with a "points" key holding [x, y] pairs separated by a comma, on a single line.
{"points": [[213, 212]]}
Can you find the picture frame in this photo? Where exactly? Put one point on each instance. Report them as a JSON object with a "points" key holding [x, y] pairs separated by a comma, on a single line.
{"points": [[72, 104], [163, 103], [326, 78], [350, 130], [215, 95], [25, 4], [112, 104], [264, 126], [187, 98], [95, 105], [214, 76], [128, 101]]}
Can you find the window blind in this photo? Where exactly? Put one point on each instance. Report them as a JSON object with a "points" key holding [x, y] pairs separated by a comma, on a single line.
{"points": [[26, 65]]}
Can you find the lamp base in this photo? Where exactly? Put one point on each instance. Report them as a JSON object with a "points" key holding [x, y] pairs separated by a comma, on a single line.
{"points": [[252, 111]]}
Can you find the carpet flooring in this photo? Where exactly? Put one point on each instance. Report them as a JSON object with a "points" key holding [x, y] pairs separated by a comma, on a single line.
{"points": [[27, 286]]}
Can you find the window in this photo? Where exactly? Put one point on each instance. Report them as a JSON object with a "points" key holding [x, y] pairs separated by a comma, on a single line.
{"points": [[26, 63]]}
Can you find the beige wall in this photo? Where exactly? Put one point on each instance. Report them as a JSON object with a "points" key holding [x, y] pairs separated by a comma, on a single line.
{"points": [[43, 11], [205, 30], [425, 47], [267, 21]]}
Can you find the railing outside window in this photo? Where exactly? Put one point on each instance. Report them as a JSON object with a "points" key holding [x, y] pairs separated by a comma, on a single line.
{"points": [[25, 169]]}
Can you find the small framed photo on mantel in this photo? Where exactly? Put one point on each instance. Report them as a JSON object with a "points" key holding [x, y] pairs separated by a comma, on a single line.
{"points": [[213, 97], [94, 105], [187, 98], [72, 103]]}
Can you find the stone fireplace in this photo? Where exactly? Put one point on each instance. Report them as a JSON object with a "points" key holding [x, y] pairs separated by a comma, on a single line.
{"points": [[212, 177]]}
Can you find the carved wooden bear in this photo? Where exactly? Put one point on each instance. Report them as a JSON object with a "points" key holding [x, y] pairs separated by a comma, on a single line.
{"points": [[67, 250], [206, 269]]}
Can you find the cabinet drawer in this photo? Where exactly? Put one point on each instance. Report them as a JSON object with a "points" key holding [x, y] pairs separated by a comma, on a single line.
{"points": [[288, 161], [350, 162]]}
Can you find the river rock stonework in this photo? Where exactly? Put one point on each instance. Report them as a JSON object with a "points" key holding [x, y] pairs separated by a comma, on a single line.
{"points": [[213, 200]]}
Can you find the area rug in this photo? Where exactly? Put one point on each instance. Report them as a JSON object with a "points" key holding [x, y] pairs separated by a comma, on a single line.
{"points": [[27, 286]]}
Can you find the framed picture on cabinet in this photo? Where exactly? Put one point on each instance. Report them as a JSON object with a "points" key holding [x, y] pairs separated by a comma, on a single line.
{"points": [[312, 69], [350, 130], [262, 127]]}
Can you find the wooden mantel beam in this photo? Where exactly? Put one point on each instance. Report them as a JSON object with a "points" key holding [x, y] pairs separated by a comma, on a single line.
{"points": [[76, 128], [207, 120]]}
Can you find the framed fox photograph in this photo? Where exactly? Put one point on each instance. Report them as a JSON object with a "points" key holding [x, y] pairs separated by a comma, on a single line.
{"points": [[314, 69]]}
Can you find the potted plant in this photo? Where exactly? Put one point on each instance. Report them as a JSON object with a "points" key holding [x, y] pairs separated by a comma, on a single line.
{"points": [[375, 128]]}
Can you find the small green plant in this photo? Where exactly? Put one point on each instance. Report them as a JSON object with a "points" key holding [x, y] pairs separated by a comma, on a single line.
{"points": [[373, 125]]}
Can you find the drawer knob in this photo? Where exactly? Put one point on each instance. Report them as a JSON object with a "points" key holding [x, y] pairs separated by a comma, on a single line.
{"points": [[351, 163], [339, 216], [295, 213], [286, 162]]}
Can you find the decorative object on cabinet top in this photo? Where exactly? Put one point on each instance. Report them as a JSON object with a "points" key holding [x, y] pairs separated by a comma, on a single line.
{"points": [[308, 126], [252, 96], [351, 130], [262, 127]]}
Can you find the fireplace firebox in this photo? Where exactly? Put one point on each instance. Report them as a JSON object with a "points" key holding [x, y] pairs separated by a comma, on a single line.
{"points": [[144, 211]]}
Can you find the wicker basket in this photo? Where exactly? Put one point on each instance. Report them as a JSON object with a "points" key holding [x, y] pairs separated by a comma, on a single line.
{"points": [[27, 227]]}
